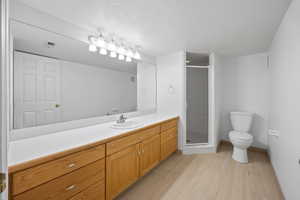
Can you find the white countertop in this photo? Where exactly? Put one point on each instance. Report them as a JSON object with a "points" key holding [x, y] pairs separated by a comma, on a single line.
{"points": [[36, 147]]}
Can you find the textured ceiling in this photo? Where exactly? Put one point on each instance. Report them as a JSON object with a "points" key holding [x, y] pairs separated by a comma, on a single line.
{"points": [[231, 27]]}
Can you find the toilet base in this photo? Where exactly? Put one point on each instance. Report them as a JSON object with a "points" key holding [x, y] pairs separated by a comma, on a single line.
{"points": [[240, 155]]}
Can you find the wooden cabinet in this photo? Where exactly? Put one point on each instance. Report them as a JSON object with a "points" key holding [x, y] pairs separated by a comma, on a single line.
{"points": [[43, 173], [126, 166], [68, 185], [119, 144], [150, 154], [122, 169], [169, 124], [98, 171]]}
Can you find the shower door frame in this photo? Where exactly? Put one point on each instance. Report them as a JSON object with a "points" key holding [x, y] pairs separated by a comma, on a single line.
{"points": [[210, 106]]}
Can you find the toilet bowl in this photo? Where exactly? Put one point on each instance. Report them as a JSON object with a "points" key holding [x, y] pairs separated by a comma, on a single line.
{"points": [[240, 137]]}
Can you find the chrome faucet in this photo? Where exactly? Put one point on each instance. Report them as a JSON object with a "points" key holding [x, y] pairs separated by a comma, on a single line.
{"points": [[122, 119]]}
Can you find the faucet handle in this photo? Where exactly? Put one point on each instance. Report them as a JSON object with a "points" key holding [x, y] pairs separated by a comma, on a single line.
{"points": [[123, 116], [121, 119]]}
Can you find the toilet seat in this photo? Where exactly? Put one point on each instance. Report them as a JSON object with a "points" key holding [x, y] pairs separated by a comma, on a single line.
{"points": [[236, 135]]}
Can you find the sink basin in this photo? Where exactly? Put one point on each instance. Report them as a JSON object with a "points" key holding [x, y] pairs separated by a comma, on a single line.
{"points": [[126, 125]]}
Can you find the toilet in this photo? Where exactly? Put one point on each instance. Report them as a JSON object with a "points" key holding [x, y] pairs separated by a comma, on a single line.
{"points": [[240, 137]]}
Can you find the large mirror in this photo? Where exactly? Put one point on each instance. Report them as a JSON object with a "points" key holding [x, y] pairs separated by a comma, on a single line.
{"points": [[57, 79]]}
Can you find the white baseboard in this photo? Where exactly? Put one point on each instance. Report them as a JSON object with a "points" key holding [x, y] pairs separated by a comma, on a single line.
{"points": [[199, 149]]}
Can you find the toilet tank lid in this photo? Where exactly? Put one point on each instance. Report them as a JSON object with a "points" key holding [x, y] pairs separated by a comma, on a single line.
{"points": [[241, 113], [240, 135]]}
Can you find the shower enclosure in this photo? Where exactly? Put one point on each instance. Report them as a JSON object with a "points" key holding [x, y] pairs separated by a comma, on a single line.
{"points": [[197, 105], [197, 99]]}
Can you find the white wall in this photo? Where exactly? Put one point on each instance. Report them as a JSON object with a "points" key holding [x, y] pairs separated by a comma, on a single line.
{"points": [[218, 82], [245, 86], [285, 98], [170, 87], [90, 91], [146, 88]]}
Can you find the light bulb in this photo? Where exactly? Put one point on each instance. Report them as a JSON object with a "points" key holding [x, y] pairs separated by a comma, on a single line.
{"points": [[92, 48], [121, 50], [129, 53], [137, 56], [103, 51], [111, 46], [121, 57], [113, 54], [100, 42], [128, 59]]}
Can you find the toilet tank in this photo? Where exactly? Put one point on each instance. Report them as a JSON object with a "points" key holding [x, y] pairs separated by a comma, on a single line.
{"points": [[241, 121]]}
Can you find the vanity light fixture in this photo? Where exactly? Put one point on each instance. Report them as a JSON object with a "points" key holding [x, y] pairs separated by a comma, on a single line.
{"points": [[103, 51], [137, 56], [129, 53], [113, 54], [114, 47], [121, 57], [100, 42], [111, 46], [92, 48], [121, 50], [92, 45], [128, 59]]}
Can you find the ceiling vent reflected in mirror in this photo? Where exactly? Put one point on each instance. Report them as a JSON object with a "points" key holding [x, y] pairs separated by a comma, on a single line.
{"points": [[50, 45]]}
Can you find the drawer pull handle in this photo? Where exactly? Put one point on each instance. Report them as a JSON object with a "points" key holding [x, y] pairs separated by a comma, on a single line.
{"points": [[71, 187], [71, 165]]}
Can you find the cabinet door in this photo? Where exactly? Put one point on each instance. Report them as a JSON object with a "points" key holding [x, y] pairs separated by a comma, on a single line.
{"points": [[150, 154], [122, 169], [168, 142]]}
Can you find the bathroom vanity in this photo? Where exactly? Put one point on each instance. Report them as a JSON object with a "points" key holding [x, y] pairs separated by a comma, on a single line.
{"points": [[66, 96], [90, 163]]}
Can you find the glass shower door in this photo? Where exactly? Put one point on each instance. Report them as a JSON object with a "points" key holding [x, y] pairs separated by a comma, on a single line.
{"points": [[197, 105]]}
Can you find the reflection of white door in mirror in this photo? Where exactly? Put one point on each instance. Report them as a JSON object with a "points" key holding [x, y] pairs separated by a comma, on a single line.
{"points": [[37, 88]]}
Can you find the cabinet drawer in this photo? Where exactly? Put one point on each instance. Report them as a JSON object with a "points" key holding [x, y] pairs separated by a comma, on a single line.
{"points": [[169, 134], [68, 185], [32, 177], [124, 142], [170, 124], [94, 192], [150, 132]]}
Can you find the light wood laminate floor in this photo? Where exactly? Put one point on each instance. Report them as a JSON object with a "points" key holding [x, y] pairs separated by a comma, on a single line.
{"points": [[208, 177]]}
